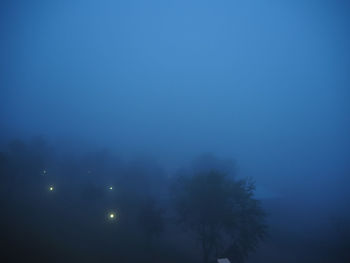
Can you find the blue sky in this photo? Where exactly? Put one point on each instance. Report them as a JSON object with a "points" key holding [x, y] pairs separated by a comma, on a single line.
{"points": [[264, 82]]}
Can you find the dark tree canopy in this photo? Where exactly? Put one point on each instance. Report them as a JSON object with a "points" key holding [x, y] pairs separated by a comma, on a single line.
{"points": [[221, 212]]}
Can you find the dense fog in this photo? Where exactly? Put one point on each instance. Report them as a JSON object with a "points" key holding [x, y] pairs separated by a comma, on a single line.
{"points": [[123, 122]]}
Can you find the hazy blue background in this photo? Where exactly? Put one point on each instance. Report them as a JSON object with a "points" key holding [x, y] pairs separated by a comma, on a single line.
{"points": [[264, 82]]}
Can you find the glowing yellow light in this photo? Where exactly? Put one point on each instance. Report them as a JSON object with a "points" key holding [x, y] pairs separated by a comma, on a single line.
{"points": [[110, 188], [51, 188], [112, 216]]}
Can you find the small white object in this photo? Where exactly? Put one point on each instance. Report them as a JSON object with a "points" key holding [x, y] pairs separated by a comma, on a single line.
{"points": [[223, 260], [112, 216]]}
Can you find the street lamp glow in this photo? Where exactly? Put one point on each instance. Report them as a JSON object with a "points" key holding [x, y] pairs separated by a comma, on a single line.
{"points": [[111, 216], [51, 188]]}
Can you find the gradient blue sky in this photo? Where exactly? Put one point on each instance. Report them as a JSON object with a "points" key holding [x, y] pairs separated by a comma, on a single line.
{"points": [[264, 82]]}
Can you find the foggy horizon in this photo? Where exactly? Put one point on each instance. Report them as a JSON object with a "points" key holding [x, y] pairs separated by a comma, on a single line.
{"points": [[262, 83]]}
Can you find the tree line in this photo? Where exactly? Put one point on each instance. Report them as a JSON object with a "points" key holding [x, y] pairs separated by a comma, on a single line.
{"points": [[96, 207]]}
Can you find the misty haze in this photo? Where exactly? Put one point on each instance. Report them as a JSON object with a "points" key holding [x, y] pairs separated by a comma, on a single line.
{"points": [[175, 131]]}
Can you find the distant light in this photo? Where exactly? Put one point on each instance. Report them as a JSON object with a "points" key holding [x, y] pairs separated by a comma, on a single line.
{"points": [[44, 171], [51, 188], [111, 216], [110, 188]]}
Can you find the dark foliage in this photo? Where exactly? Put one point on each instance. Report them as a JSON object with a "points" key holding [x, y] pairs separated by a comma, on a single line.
{"points": [[71, 221], [221, 212]]}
